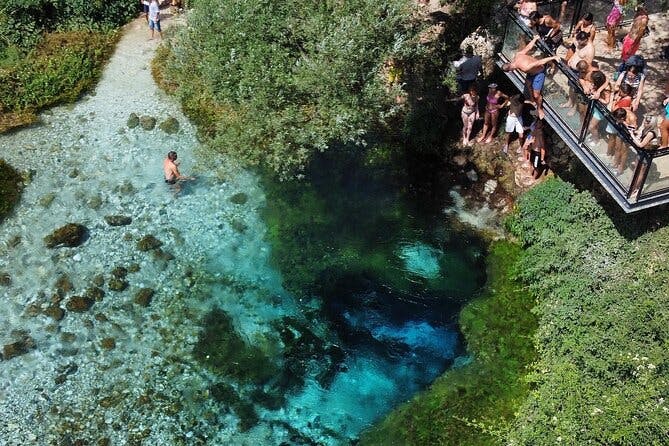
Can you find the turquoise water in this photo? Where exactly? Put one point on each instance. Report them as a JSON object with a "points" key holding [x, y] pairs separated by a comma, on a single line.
{"points": [[279, 316]]}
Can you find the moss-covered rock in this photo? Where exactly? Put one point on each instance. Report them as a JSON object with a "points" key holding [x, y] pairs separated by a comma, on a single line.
{"points": [[133, 121], [169, 125], [11, 186], [95, 293], [238, 226], [165, 256], [55, 312], [18, 348], [147, 122], [245, 411], [108, 343], [70, 235], [120, 272], [148, 242], [5, 278], [63, 285], [79, 304], [116, 284], [134, 267], [239, 198], [143, 297], [220, 347]]}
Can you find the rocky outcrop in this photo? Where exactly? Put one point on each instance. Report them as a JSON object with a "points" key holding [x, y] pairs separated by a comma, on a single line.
{"points": [[70, 235]]}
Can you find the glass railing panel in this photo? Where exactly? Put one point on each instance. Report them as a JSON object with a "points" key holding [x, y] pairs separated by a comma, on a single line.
{"points": [[657, 178], [609, 145], [569, 105], [514, 39]]}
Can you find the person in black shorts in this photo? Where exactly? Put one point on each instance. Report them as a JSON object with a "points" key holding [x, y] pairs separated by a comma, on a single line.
{"points": [[171, 169]]}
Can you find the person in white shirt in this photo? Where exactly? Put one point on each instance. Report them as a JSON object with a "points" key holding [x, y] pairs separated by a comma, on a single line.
{"points": [[154, 18]]}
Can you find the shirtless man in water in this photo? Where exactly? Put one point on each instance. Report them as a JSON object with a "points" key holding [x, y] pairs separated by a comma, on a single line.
{"points": [[171, 168], [534, 69]]}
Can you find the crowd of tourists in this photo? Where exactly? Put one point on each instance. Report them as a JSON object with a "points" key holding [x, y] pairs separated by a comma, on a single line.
{"points": [[621, 94]]}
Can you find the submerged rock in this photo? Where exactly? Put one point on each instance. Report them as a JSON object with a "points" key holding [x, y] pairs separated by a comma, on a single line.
{"points": [[55, 312], [148, 242], [5, 278], [18, 348], [170, 125], [159, 254], [63, 285], [120, 272], [238, 226], [70, 235], [94, 202], [98, 280], [46, 199], [116, 284], [108, 343], [133, 120], [221, 348], [118, 220], [79, 304], [94, 293], [147, 122], [143, 297], [239, 198]]}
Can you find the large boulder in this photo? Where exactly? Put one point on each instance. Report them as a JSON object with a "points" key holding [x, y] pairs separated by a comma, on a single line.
{"points": [[71, 235]]}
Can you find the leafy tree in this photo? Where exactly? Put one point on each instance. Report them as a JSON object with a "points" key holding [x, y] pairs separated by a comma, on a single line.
{"points": [[274, 81]]}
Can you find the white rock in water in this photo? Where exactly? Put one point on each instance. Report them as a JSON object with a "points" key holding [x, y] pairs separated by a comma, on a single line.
{"points": [[472, 175], [77, 258], [490, 186]]}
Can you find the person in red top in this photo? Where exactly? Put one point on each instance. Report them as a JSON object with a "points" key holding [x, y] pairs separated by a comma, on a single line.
{"points": [[632, 40]]}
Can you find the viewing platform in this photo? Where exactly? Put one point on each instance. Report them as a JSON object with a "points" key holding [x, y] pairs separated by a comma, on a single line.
{"points": [[644, 181]]}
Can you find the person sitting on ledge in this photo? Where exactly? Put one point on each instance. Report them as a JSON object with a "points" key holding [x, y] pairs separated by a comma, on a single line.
{"points": [[535, 69]]}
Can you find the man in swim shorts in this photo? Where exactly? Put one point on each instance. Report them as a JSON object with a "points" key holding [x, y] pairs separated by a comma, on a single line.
{"points": [[534, 69], [514, 120], [171, 169]]}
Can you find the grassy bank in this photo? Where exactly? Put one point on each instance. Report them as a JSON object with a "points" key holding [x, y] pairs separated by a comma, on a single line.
{"points": [[58, 70], [474, 404], [602, 375]]}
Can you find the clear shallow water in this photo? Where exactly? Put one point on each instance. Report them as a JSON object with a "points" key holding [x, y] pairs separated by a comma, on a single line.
{"points": [[369, 340]]}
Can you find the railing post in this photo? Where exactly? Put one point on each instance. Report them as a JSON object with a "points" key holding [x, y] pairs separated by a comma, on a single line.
{"points": [[586, 119], [643, 164]]}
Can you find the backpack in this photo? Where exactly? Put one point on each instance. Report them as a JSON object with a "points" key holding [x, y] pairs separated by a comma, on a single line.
{"points": [[637, 61]]}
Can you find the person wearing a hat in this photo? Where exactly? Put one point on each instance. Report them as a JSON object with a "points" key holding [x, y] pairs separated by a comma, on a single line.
{"points": [[467, 70], [495, 100]]}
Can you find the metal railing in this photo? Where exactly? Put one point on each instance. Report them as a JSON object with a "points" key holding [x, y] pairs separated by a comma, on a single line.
{"points": [[638, 175]]}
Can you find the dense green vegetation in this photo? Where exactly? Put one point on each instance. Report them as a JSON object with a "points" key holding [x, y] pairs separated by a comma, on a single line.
{"points": [[274, 82], [53, 50], [603, 371], [474, 404]]}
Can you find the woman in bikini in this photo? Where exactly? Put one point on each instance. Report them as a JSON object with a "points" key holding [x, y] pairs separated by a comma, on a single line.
{"points": [[469, 113], [603, 95], [587, 26], [494, 102]]}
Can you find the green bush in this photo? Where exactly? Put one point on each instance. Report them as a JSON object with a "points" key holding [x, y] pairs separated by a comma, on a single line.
{"points": [[59, 69], [603, 372], [284, 79]]}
